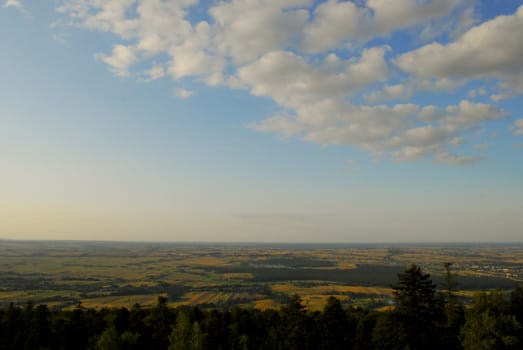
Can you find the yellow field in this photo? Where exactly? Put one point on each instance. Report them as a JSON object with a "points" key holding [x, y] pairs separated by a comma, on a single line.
{"points": [[331, 289], [207, 261], [238, 275], [264, 304], [467, 293], [57, 273], [146, 300], [196, 298], [316, 302], [385, 308]]}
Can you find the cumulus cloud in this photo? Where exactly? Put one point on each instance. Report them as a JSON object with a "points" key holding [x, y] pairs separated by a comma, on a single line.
{"points": [[247, 29], [183, 93], [313, 59], [391, 15], [13, 3], [120, 60], [156, 72], [337, 21], [333, 22], [469, 114], [490, 49], [518, 127], [405, 90], [290, 80], [452, 159], [392, 131]]}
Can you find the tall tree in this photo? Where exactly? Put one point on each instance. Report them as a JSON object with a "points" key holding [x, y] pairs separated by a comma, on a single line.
{"points": [[417, 309], [159, 321], [293, 317], [453, 306], [454, 309], [337, 331]]}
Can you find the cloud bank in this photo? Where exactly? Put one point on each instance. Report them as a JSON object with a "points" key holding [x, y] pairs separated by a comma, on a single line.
{"points": [[334, 68]]}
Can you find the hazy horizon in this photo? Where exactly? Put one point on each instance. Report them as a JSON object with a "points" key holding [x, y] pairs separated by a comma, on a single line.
{"points": [[262, 121], [322, 244]]}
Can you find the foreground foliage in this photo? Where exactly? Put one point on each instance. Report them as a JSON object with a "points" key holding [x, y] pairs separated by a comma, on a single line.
{"points": [[421, 319]]}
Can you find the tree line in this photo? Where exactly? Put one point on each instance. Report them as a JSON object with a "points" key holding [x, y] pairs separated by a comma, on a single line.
{"points": [[422, 318]]}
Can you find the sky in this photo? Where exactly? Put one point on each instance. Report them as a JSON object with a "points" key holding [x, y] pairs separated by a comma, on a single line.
{"points": [[261, 120]]}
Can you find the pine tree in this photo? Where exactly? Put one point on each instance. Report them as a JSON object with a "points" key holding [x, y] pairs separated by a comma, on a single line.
{"points": [[337, 332], [293, 317], [417, 310], [453, 308]]}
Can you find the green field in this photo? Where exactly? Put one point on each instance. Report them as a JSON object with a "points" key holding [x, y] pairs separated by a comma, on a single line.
{"points": [[103, 274]]}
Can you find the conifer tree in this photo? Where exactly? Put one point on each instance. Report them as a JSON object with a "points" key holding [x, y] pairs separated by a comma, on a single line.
{"points": [[453, 308], [417, 310]]}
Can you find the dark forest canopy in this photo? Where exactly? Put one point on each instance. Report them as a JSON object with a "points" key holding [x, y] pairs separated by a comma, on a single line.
{"points": [[422, 318]]}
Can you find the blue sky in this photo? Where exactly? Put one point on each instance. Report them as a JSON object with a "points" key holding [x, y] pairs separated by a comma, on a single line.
{"points": [[257, 120]]}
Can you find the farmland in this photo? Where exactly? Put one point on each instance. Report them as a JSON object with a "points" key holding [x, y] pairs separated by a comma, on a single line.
{"points": [[66, 274]]}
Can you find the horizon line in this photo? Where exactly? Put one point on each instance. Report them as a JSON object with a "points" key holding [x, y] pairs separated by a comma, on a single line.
{"points": [[203, 242]]}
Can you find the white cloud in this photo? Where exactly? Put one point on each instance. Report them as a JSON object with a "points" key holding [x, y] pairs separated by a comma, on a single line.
{"points": [[458, 140], [405, 90], [284, 125], [452, 159], [421, 136], [391, 15], [190, 58], [247, 29], [393, 131], [518, 127], [337, 21], [491, 49], [13, 3], [120, 60], [290, 80], [155, 27], [310, 59], [333, 121], [501, 96], [469, 114], [411, 153], [183, 93], [333, 22], [156, 72]]}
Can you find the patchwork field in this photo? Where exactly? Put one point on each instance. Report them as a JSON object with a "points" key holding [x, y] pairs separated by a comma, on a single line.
{"points": [[113, 274]]}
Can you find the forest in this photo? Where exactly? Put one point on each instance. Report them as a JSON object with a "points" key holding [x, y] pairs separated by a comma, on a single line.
{"points": [[421, 317]]}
